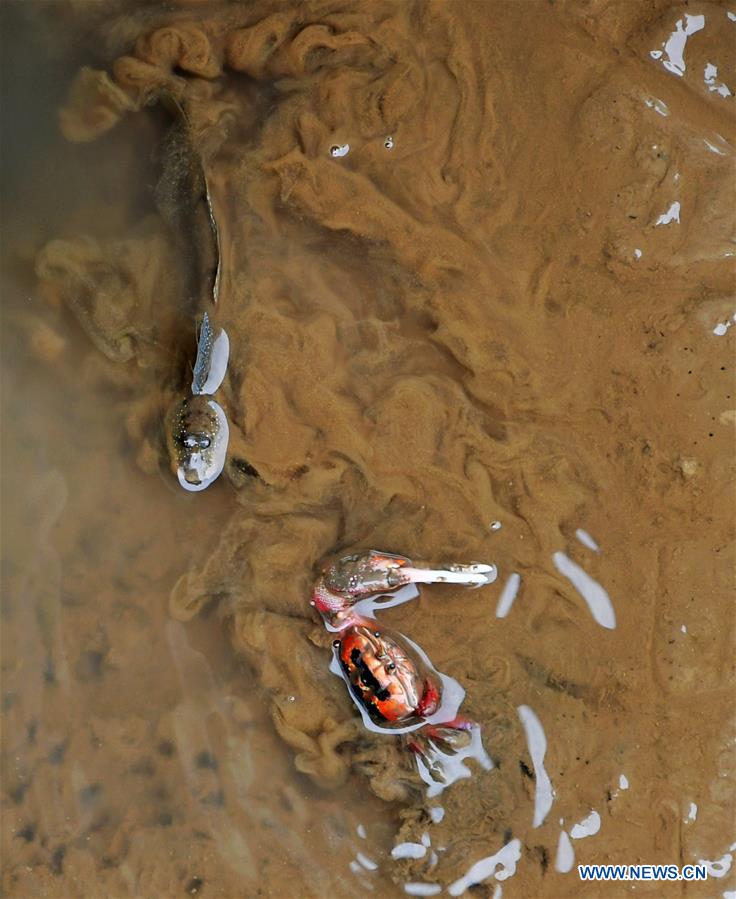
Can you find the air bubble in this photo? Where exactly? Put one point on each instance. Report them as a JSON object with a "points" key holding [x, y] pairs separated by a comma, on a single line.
{"points": [[389, 143], [339, 150]]}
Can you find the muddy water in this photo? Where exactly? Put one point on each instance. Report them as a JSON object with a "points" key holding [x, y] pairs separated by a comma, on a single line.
{"points": [[498, 327]]}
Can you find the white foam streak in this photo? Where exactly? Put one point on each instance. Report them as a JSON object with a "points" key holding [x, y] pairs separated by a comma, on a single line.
{"points": [[565, 858], [672, 215], [506, 858], [585, 538], [722, 327], [659, 106], [674, 46], [422, 889], [366, 862], [599, 602], [709, 77], [587, 827], [508, 595], [409, 850], [718, 868], [537, 743], [717, 145]]}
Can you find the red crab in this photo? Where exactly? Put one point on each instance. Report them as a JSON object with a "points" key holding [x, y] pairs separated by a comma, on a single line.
{"points": [[384, 678], [388, 680]]}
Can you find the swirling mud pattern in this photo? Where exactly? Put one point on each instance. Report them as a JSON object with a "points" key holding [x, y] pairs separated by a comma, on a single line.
{"points": [[470, 267]]}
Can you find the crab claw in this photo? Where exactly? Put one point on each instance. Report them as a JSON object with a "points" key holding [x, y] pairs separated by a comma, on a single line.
{"points": [[367, 574], [352, 578]]}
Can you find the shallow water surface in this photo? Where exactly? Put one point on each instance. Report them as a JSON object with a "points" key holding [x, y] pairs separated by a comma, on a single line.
{"points": [[477, 276]]}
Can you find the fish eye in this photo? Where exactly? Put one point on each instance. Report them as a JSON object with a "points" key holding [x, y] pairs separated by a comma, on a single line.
{"points": [[391, 666], [196, 441], [336, 644], [376, 633]]}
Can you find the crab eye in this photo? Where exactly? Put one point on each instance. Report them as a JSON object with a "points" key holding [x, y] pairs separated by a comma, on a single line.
{"points": [[336, 644], [376, 633]]}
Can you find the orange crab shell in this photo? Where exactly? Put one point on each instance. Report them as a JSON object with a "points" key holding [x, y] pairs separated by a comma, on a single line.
{"points": [[383, 678]]}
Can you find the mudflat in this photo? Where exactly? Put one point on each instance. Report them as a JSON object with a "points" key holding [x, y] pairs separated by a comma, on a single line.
{"points": [[477, 276]]}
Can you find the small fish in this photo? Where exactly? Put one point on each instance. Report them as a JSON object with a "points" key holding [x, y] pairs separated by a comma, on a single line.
{"points": [[197, 431]]}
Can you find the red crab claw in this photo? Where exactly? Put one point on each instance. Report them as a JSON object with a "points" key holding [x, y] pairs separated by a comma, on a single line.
{"points": [[352, 578], [366, 574]]}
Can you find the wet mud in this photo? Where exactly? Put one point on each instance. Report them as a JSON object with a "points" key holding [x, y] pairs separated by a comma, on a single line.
{"points": [[477, 276]]}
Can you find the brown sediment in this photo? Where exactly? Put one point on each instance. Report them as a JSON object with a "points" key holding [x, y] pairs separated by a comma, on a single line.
{"points": [[481, 322]]}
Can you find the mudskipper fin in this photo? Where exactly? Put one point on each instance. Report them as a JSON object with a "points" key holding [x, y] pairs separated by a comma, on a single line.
{"points": [[213, 352]]}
